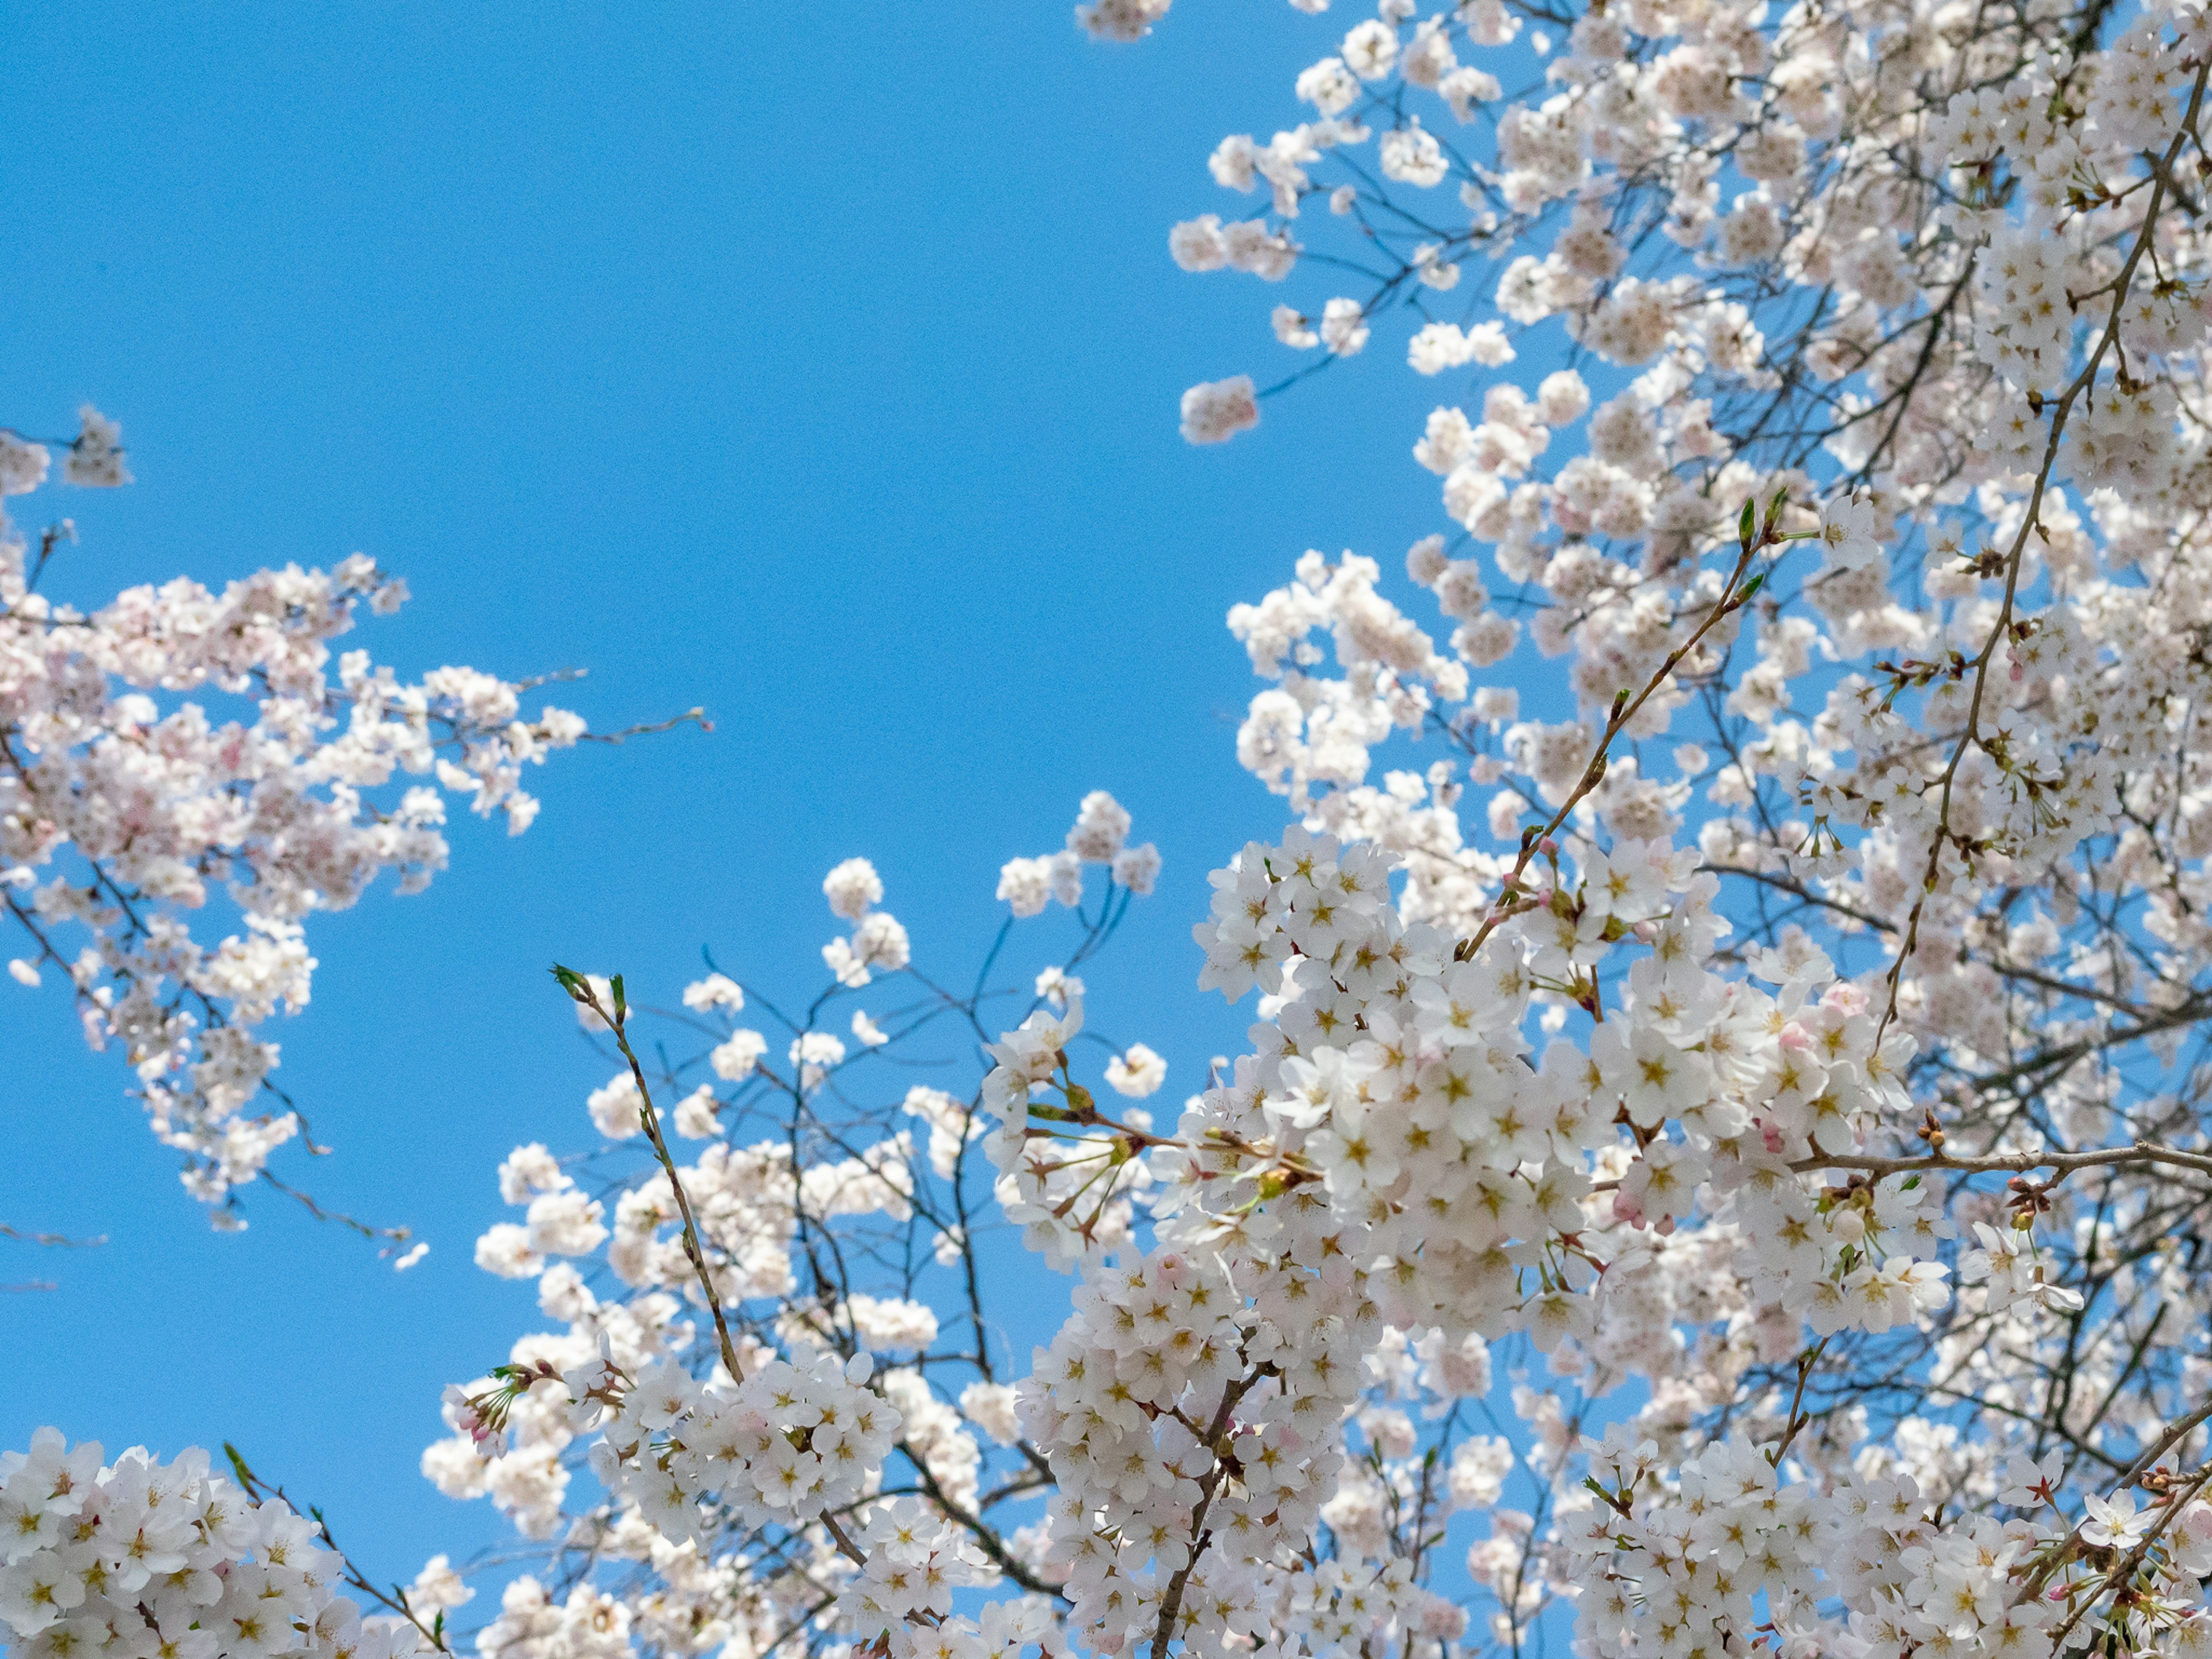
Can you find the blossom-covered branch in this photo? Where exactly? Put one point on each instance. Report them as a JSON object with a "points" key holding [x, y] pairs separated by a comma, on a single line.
{"points": [[131, 798]]}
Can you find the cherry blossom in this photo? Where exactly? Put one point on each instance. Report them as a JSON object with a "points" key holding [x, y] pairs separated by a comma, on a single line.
{"points": [[180, 751]]}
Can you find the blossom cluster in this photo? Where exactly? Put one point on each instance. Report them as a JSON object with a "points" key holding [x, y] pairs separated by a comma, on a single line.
{"points": [[768, 1460], [1343, 1224], [1100, 835], [780, 1447], [2007, 300], [1724, 1547], [131, 798], [1850, 863], [1186, 1396], [143, 1559], [1396, 1075]]}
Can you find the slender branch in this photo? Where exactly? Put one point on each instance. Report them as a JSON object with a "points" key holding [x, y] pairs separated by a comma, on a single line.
{"points": [[2016, 1162], [581, 989], [62, 1240]]}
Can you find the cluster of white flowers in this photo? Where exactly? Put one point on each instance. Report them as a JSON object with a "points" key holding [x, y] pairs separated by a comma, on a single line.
{"points": [[878, 945], [785, 1433], [127, 803], [903, 1594], [1675, 1189], [1723, 1547], [1393, 1121], [143, 1559], [1121, 20], [1954, 335], [780, 1448], [1856, 859], [1185, 1395], [94, 460], [1100, 835]]}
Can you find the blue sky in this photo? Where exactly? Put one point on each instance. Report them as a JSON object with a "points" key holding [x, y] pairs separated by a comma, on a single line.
{"points": [[818, 367]]}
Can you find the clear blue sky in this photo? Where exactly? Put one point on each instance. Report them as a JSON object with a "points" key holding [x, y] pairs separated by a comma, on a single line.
{"points": [[816, 365]]}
